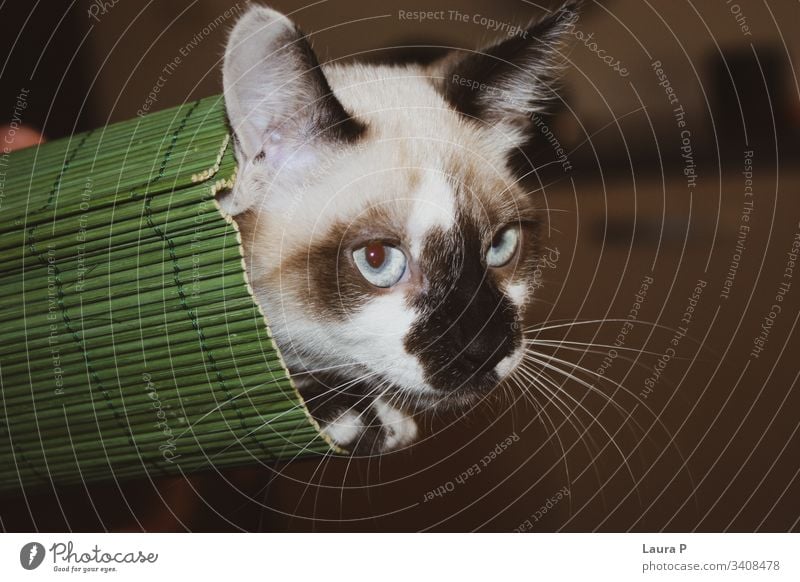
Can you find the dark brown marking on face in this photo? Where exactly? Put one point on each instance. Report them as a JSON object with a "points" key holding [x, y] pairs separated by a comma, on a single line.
{"points": [[466, 323], [323, 274]]}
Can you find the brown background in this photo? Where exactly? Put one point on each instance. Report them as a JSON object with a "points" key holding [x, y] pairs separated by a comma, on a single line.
{"points": [[714, 447]]}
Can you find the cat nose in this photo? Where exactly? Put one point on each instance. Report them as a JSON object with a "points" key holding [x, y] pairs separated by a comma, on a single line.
{"points": [[484, 352], [482, 334]]}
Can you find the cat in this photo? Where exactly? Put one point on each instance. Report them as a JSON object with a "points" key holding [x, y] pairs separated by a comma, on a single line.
{"points": [[387, 237]]}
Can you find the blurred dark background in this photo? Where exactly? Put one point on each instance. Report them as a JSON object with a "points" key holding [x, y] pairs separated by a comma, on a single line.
{"points": [[711, 444]]}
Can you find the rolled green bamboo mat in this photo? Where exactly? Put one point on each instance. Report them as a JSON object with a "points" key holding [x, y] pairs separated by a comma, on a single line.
{"points": [[131, 344]]}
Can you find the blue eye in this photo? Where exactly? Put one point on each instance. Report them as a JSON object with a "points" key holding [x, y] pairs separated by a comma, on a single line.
{"points": [[380, 264], [504, 246]]}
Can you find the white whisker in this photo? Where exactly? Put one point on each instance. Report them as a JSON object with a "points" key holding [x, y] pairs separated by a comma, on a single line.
{"points": [[543, 412], [595, 419]]}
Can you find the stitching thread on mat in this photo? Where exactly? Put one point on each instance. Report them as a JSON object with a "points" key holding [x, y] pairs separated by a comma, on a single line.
{"points": [[176, 270], [78, 340], [57, 184]]}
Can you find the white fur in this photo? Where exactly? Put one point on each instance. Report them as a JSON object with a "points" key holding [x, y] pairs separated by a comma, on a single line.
{"points": [[345, 428], [507, 365], [377, 334], [371, 340], [434, 207], [518, 293], [401, 428]]}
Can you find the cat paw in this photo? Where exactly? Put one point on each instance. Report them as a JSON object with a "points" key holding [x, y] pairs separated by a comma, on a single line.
{"points": [[378, 429], [344, 429], [398, 427]]}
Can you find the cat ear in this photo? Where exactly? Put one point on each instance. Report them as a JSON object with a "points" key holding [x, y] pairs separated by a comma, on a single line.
{"points": [[280, 106], [510, 81]]}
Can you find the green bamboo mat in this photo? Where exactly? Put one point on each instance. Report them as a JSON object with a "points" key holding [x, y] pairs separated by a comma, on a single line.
{"points": [[131, 344]]}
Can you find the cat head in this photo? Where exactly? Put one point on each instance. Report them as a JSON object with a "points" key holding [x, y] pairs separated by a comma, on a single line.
{"points": [[386, 234]]}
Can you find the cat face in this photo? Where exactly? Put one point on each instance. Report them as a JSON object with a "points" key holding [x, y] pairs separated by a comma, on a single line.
{"points": [[386, 237]]}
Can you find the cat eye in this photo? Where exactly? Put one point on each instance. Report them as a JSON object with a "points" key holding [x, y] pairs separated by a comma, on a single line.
{"points": [[381, 264], [504, 246]]}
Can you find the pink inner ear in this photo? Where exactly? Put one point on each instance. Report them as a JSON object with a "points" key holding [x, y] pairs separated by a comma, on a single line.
{"points": [[287, 159]]}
